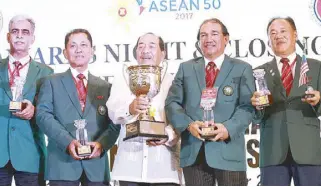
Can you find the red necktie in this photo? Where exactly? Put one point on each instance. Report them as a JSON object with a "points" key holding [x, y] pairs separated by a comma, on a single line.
{"points": [[81, 89], [211, 73], [287, 76], [15, 73]]}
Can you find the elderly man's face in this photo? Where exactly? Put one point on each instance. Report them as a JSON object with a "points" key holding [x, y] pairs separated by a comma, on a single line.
{"points": [[212, 40], [282, 37], [20, 36], [148, 51]]}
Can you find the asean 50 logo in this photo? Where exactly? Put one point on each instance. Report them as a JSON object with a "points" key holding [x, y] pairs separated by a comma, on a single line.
{"points": [[183, 9], [125, 13]]}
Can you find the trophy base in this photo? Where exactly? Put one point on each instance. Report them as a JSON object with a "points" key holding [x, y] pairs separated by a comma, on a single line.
{"points": [[149, 130], [84, 151], [16, 106], [265, 100], [207, 132]]}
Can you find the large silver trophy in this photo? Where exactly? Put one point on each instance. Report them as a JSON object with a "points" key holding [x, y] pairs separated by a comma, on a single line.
{"points": [[145, 80], [16, 105]]}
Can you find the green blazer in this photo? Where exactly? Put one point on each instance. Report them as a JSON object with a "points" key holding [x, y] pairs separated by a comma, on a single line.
{"points": [[234, 111], [289, 121], [21, 141], [58, 107]]}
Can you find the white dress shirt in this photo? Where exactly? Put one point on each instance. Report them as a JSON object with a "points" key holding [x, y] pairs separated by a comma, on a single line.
{"points": [[135, 161], [218, 61], [291, 58], [23, 72], [75, 73]]}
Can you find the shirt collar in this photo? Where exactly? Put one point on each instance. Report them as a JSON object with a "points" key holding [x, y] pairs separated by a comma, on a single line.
{"points": [[23, 60], [218, 61], [74, 73], [291, 58]]}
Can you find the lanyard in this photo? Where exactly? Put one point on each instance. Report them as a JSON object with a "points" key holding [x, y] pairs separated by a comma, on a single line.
{"points": [[14, 71]]}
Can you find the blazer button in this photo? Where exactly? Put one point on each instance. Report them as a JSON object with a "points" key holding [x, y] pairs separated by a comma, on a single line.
{"points": [[13, 128]]}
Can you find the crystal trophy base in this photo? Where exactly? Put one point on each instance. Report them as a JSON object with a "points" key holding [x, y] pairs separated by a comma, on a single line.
{"points": [[264, 100], [149, 130], [84, 150], [208, 132], [16, 106]]}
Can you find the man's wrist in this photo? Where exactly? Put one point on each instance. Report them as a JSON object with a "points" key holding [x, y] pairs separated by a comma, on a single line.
{"points": [[189, 126]]}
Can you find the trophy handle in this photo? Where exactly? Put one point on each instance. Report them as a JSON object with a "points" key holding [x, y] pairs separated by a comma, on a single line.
{"points": [[165, 66], [125, 70]]}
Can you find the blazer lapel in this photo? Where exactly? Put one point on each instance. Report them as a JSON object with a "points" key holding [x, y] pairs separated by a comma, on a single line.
{"points": [[31, 78], [276, 79], [91, 92], [199, 67], [224, 71], [4, 78], [71, 89]]}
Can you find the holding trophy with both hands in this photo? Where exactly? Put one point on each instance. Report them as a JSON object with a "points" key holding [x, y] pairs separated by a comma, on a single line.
{"points": [[144, 81], [81, 135], [208, 100]]}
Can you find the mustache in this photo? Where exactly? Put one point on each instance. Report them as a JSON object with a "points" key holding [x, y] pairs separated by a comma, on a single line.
{"points": [[16, 41], [146, 56], [209, 44], [280, 41]]}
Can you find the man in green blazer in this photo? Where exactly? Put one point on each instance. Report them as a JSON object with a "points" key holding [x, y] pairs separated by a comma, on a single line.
{"points": [[290, 128], [74, 95], [22, 144], [222, 158]]}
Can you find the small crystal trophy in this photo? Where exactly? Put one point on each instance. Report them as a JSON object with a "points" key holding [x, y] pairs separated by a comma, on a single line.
{"points": [[208, 100], [261, 86], [309, 88], [308, 79], [81, 135], [16, 105]]}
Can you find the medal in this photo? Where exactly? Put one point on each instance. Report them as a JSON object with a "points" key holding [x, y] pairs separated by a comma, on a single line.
{"points": [[228, 90]]}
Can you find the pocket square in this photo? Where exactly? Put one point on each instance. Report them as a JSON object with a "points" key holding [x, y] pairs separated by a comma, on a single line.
{"points": [[100, 97]]}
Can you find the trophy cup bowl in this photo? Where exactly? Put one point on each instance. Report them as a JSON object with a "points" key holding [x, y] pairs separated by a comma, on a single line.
{"points": [[145, 80]]}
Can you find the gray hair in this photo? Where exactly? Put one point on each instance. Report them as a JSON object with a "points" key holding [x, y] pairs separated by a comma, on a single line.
{"points": [[23, 18]]}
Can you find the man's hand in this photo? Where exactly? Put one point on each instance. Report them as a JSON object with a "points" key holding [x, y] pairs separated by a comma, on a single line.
{"points": [[97, 149], [194, 129], [139, 105], [74, 144], [312, 100], [26, 113], [221, 132], [255, 100], [156, 142]]}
